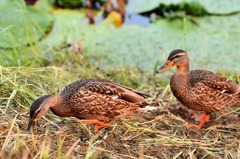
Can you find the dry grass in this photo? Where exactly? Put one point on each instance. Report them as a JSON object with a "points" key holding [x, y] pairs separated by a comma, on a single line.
{"points": [[160, 134]]}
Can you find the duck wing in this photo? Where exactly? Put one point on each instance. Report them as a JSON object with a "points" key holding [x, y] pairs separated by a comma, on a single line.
{"points": [[210, 99], [102, 86], [214, 81], [113, 84], [211, 92], [101, 99]]}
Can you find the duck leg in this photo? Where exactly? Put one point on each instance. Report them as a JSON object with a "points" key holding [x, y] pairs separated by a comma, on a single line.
{"points": [[203, 118], [96, 123]]}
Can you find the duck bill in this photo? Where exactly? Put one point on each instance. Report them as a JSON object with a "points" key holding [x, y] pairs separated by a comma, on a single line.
{"points": [[163, 68], [31, 125]]}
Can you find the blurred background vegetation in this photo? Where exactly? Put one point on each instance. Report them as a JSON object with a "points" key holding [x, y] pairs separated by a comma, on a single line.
{"points": [[47, 44], [115, 33]]}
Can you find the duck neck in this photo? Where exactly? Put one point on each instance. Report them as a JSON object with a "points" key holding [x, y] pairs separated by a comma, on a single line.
{"points": [[183, 69], [183, 75], [60, 108], [180, 83]]}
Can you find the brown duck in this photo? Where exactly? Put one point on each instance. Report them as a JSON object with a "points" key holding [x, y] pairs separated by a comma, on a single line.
{"points": [[199, 90], [94, 101]]}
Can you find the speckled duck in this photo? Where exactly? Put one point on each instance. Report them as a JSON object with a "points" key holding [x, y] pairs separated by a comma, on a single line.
{"points": [[200, 90], [93, 101]]}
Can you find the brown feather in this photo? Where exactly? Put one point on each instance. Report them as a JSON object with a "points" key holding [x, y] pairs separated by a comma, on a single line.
{"points": [[98, 99]]}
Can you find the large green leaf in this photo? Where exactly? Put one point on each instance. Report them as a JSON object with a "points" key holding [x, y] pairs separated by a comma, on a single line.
{"points": [[211, 6], [221, 6], [21, 25], [211, 42], [140, 6], [72, 27]]}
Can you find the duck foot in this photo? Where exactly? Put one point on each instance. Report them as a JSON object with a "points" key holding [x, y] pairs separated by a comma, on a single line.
{"points": [[96, 123], [203, 118]]}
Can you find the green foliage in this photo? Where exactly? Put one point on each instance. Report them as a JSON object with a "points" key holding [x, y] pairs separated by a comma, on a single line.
{"points": [[204, 38], [181, 10], [193, 8], [134, 46], [70, 3], [21, 25], [75, 3]]}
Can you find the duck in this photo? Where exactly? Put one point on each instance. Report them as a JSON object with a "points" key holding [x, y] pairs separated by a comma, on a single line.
{"points": [[199, 90], [92, 100]]}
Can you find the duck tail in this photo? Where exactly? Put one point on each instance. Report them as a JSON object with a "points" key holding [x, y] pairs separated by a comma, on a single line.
{"points": [[150, 108], [234, 87]]}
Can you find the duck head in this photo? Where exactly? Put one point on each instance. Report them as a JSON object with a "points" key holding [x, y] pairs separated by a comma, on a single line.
{"points": [[40, 108], [178, 58]]}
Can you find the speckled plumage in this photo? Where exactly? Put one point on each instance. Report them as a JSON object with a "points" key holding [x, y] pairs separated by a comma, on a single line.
{"points": [[94, 99], [200, 90], [99, 99]]}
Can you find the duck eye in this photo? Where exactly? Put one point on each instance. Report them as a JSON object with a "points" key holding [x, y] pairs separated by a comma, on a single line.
{"points": [[177, 56], [174, 57]]}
